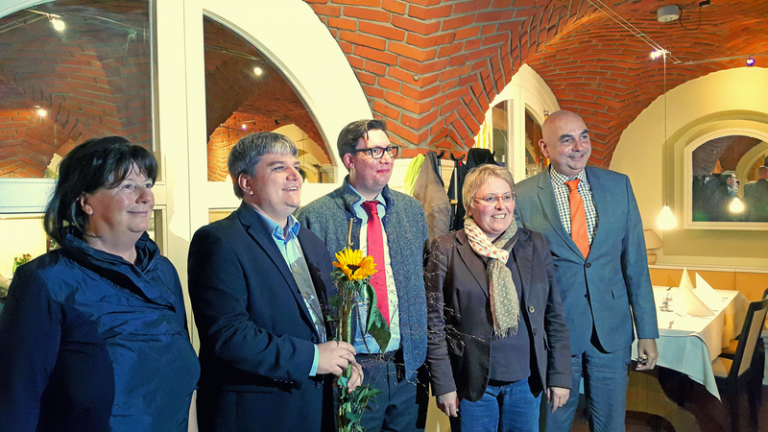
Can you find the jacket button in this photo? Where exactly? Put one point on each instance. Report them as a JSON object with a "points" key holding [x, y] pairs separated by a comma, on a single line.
{"points": [[314, 339], [534, 331], [318, 385], [588, 265], [531, 309]]}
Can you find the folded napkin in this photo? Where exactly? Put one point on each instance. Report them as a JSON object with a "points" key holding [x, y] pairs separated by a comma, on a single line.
{"points": [[707, 294], [694, 306]]}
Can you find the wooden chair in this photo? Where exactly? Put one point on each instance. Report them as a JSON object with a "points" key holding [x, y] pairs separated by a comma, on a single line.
{"points": [[758, 361], [737, 372]]}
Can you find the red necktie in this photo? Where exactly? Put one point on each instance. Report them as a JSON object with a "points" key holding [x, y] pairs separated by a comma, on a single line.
{"points": [[376, 251], [578, 218]]}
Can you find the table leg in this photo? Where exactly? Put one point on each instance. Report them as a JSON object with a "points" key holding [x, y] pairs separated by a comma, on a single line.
{"points": [[644, 394]]}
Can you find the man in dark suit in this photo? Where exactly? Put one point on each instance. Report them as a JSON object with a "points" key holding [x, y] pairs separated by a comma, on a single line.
{"points": [[601, 269], [258, 283], [756, 196]]}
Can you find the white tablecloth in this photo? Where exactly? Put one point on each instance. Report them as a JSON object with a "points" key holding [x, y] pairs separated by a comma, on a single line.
{"points": [[689, 344]]}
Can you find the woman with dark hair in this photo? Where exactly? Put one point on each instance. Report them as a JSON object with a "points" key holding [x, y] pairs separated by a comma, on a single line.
{"points": [[94, 334], [498, 338]]}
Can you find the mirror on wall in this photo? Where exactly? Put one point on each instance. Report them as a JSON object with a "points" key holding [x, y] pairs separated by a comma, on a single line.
{"points": [[69, 71], [730, 180]]}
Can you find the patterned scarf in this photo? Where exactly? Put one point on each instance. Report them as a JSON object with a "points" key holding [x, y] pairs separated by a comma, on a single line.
{"points": [[505, 306]]}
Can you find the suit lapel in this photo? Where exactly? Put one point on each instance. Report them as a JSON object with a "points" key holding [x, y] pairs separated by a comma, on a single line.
{"points": [[600, 196], [256, 228], [549, 204], [522, 256], [473, 262]]}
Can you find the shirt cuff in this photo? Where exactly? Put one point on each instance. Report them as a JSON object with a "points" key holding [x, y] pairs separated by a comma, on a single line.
{"points": [[313, 371]]}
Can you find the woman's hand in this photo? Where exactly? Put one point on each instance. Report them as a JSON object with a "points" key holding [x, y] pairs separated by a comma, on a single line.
{"points": [[557, 396], [449, 404]]}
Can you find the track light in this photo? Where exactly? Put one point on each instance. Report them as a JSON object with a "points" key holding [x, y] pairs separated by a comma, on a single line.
{"points": [[58, 24]]}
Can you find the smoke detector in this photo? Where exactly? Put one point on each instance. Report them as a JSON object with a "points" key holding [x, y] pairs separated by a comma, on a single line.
{"points": [[668, 13]]}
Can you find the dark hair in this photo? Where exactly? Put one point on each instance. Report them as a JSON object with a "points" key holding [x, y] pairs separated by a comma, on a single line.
{"points": [[351, 134], [94, 164], [247, 153]]}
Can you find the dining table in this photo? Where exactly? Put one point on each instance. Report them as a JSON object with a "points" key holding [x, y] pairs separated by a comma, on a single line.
{"points": [[687, 344]]}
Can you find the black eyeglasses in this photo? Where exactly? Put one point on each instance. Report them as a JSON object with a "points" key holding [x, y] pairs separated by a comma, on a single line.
{"points": [[378, 152]]}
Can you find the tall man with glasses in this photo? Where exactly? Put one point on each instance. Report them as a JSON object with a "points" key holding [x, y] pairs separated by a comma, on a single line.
{"points": [[590, 217], [391, 227]]}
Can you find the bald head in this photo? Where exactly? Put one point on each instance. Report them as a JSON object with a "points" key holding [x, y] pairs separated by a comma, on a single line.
{"points": [[762, 172], [565, 141]]}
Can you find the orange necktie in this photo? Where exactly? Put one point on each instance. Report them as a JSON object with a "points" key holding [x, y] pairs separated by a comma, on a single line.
{"points": [[578, 218]]}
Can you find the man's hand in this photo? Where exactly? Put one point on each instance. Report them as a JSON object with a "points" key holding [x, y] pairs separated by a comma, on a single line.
{"points": [[646, 350], [557, 396], [449, 404], [334, 357], [355, 377]]}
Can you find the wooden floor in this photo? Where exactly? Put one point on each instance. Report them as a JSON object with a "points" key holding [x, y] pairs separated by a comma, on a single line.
{"points": [[711, 414]]}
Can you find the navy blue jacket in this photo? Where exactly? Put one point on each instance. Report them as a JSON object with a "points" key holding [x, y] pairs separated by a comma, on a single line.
{"points": [[91, 342], [257, 339]]}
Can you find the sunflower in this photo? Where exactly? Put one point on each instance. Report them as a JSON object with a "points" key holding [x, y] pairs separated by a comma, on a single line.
{"points": [[354, 265]]}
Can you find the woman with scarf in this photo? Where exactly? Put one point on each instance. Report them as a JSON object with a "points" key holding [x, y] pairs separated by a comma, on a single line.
{"points": [[498, 338], [94, 334]]}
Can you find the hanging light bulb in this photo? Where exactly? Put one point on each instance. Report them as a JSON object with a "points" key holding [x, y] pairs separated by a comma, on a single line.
{"points": [[42, 113], [258, 71], [736, 205], [58, 24], [666, 219]]}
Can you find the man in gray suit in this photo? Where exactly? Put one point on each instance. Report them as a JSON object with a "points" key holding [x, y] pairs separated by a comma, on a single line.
{"points": [[604, 281], [756, 196]]}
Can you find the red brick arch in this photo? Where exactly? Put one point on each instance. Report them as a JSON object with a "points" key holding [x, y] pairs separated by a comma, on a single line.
{"points": [[465, 52]]}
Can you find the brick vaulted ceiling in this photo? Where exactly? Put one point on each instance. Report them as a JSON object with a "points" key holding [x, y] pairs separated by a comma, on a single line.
{"points": [[431, 67]]}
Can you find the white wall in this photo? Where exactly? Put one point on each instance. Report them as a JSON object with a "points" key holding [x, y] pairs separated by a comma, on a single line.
{"points": [[721, 103]]}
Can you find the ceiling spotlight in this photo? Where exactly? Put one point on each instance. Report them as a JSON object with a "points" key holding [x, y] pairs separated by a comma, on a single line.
{"points": [[658, 53], [258, 71], [58, 24], [42, 113], [751, 61]]}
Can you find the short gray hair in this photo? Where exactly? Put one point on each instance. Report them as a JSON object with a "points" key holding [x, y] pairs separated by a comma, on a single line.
{"points": [[247, 153], [477, 177]]}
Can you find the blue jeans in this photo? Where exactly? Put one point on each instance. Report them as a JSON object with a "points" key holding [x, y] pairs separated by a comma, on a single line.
{"points": [[507, 408], [606, 376]]}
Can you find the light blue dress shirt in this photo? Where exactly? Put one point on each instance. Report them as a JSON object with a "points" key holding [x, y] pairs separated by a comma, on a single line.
{"points": [[290, 248]]}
